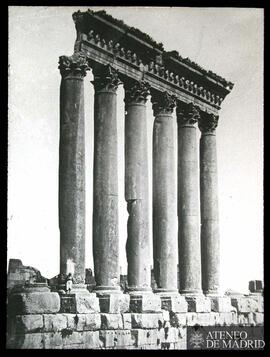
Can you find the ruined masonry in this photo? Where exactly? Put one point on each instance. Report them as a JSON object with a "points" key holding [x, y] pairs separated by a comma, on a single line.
{"points": [[67, 314]]}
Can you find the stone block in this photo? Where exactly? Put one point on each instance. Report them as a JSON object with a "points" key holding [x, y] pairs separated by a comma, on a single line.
{"points": [[72, 339], [256, 286], [111, 321], [91, 340], [251, 321], [225, 319], [53, 323], [92, 322], [221, 304], [179, 319], [107, 338], [80, 302], [123, 338], [34, 303], [160, 336], [192, 318], [171, 334], [203, 318], [198, 304], [166, 315], [80, 320], [259, 302], [113, 303], [126, 317], [87, 303], [259, 318], [213, 318], [145, 302], [244, 304], [138, 337], [29, 323], [243, 319], [68, 304], [29, 341], [173, 302], [52, 340], [150, 320]]}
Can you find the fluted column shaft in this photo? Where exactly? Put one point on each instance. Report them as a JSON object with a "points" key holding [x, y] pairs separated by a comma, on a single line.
{"points": [[72, 169], [209, 205], [188, 201], [164, 195], [136, 186], [105, 193]]}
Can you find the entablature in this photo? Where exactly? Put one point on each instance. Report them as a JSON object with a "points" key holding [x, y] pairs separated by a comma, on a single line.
{"points": [[105, 40]]}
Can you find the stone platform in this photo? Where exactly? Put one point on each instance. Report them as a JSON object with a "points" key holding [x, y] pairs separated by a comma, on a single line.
{"points": [[41, 321]]}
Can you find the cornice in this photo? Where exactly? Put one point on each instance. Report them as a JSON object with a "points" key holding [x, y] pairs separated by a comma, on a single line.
{"points": [[123, 41]]}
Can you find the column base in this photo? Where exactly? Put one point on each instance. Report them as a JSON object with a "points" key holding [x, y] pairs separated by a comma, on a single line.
{"points": [[198, 303], [212, 293], [171, 300], [79, 301], [112, 301], [144, 301], [33, 299], [220, 303], [191, 293]]}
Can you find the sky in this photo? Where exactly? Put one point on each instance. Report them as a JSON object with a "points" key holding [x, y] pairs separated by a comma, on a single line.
{"points": [[228, 41]]}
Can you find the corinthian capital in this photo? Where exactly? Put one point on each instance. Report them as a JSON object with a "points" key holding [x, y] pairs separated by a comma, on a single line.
{"points": [[187, 114], [106, 79], [136, 92], [163, 103], [208, 122], [73, 66]]}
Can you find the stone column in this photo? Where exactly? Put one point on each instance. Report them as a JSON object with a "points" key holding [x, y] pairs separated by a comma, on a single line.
{"points": [[188, 201], [137, 197], [164, 195], [209, 204], [136, 186], [165, 245], [105, 204], [72, 170]]}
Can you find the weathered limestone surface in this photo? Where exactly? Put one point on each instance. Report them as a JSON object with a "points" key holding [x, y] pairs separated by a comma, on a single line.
{"points": [[105, 200], [152, 330], [209, 204], [188, 201], [72, 168], [165, 247], [34, 303], [136, 186]]}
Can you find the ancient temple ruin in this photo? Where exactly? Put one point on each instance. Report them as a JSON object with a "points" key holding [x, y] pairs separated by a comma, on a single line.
{"points": [[71, 316]]}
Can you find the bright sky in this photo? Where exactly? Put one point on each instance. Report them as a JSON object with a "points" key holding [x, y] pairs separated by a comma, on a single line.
{"points": [[228, 41]]}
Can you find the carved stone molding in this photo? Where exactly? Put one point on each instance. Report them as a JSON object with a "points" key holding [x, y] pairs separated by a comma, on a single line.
{"points": [[136, 92], [106, 79], [187, 114], [73, 66], [163, 103], [208, 122]]}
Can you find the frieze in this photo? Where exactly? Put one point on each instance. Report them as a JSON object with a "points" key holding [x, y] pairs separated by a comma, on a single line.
{"points": [[184, 74]]}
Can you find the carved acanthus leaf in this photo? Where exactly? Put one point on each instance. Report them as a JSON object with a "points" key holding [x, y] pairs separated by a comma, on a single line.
{"points": [[187, 114], [163, 103], [208, 122], [106, 79], [136, 92], [75, 65]]}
